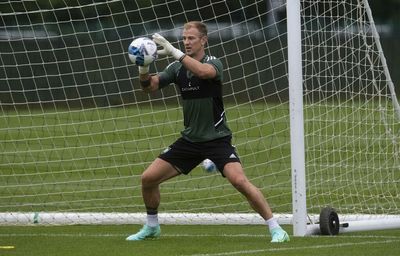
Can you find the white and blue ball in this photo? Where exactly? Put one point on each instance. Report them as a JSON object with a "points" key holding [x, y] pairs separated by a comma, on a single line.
{"points": [[209, 166], [142, 51]]}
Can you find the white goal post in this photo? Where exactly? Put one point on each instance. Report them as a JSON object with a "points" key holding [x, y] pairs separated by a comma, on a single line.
{"points": [[307, 93], [302, 36]]}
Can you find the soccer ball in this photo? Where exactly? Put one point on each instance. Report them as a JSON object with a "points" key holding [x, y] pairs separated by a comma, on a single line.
{"points": [[209, 166], [142, 51]]}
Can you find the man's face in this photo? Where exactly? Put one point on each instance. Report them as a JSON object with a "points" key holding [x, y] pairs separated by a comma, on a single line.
{"points": [[194, 42]]}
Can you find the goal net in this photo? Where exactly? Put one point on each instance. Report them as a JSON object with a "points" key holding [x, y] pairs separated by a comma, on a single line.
{"points": [[76, 131], [351, 113]]}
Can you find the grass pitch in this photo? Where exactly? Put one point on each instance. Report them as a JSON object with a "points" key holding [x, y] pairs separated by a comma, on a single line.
{"points": [[90, 160], [188, 241]]}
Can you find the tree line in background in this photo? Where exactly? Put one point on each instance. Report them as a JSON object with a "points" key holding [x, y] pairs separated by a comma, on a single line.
{"points": [[385, 11]]}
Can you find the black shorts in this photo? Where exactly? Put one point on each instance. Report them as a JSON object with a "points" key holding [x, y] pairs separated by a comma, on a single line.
{"points": [[185, 155]]}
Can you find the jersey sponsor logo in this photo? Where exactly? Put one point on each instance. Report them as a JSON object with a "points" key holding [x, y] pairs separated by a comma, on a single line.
{"points": [[190, 88]]}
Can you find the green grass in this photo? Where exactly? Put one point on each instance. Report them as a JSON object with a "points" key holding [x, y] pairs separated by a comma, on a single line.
{"points": [[90, 160], [188, 240]]}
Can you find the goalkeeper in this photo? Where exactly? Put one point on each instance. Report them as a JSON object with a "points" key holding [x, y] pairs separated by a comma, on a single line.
{"points": [[205, 133]]}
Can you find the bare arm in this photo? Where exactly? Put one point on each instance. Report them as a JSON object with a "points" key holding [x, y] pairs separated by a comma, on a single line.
{"points": [[201, 70], [149, 83]]}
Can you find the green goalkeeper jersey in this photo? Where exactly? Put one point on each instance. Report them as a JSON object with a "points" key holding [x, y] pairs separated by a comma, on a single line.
{"points": [[203, 109]]}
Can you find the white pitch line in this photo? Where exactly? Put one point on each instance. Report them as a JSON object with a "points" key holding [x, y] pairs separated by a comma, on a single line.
{"points": [[389, 239], [246, 252], [62, 235], [176, 235]]}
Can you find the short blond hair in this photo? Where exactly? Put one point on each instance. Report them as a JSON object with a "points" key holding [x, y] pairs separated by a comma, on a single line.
{"points": [[200, 26]]}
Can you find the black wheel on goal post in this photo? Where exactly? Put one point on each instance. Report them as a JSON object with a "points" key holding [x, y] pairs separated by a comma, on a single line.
{"points": [[329, 221]]}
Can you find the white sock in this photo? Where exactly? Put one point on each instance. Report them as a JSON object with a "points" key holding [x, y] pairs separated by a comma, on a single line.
{"points": [[272, 223], [152, 220]]}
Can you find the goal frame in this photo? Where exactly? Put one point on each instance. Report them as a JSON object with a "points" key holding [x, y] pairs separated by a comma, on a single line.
{"points": [[304, 224]]}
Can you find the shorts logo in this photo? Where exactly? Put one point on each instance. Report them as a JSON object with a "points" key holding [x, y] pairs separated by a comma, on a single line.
{"points": [[166, 150], [232, 156]]}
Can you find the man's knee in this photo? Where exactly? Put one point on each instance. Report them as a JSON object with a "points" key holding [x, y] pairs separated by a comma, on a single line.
{"points": [[240, 182], [148, 180]]}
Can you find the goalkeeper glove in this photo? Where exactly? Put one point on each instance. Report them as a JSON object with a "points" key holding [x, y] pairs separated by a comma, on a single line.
{"points": [[168, 48]]}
